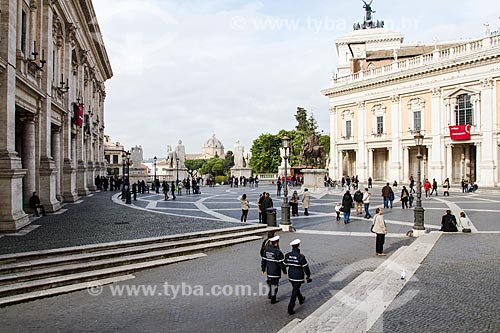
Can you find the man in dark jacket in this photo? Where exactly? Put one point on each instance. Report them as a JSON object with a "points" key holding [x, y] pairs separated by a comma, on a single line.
{"points": [[266, 203], [35, 204], [449, 222], [272, 262], [386, 194], [358, 199], [297, 270]]}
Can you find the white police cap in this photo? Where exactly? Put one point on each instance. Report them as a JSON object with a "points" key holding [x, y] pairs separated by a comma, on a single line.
{"points": [[295, 242], [274, 239]]}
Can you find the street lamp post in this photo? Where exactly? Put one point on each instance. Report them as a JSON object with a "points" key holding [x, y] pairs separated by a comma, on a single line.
{"points": [[418, 224], [154, 180], [285, 206], [124, 160], [129, 195]]}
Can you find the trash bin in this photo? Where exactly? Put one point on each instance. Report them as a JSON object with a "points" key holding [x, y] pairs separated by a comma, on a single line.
{"points": [[271, 217]]}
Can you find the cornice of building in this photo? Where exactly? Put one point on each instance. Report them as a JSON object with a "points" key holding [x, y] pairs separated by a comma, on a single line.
{"points": [[439, 60], [95, 31]]}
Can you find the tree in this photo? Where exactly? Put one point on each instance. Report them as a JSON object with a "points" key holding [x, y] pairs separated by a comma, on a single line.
{"points": [[214, 167], [228, 161], [194, 165], [266, 153]]}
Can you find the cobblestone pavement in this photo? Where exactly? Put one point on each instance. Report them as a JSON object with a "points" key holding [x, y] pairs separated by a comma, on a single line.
{"points": [[97, 219], [455, 290], [335, 257], [334, 261]]}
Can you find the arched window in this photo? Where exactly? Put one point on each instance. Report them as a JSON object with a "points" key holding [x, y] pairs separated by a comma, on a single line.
{"points": [[464, 110]]}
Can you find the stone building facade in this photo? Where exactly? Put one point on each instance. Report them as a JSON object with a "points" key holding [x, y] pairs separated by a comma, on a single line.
{"points": [[113, 154], [53, 65], [384, 91]]}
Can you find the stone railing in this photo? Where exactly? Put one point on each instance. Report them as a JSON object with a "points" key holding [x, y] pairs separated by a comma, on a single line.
{"points": [[489, 42]]}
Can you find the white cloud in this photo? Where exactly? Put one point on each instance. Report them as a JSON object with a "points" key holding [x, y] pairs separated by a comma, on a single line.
{"points": [[184, 69]]}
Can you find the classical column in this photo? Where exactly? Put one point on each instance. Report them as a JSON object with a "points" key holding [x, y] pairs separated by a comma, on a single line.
{"points": [[485, 163], [480, 175], [406, 164], [395, 135], [333, 167], [29, 160], [370, 162], [12, 215], [81, 177], [449, 162], [47, 169], [361, 167], [91, 166], [56, 155], [435, 159], [341, 165]]}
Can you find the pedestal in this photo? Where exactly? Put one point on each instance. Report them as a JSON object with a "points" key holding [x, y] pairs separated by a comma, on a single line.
{"points": [[239, 172], [12, 216], [314, 178], [81, 179], [48, 174], [69, 192]]}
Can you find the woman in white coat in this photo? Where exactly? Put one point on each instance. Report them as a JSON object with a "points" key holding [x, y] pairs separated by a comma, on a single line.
{"points": [[380, 229], [306, 200]]}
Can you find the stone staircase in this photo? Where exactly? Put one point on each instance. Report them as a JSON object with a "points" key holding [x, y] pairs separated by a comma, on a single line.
{"points": [[31, 275], [358, 306]]}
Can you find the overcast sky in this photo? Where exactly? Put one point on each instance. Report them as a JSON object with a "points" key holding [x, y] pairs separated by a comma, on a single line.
{"points": [[186, 68]]}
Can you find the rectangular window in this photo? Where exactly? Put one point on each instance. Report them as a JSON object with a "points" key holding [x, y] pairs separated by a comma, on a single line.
{"points": [[106, 157], [463, 110], [380, 125], [115, 159], [23, 32], [417, 120], [348, 128]]}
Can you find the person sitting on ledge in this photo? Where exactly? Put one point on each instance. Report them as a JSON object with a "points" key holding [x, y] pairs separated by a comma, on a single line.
{"points": [[473, 188], [449, 222], [35, 204]]}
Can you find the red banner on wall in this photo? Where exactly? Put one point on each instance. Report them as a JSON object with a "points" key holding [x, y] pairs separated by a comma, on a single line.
{"points": [[460, 132], [79, 115]]}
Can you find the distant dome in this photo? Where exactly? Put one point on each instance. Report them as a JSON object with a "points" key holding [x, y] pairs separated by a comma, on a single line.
{"points": [[213, 142]]}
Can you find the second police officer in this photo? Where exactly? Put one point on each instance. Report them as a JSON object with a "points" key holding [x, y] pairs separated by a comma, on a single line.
{"points": [[272, 262], [297, 270]]}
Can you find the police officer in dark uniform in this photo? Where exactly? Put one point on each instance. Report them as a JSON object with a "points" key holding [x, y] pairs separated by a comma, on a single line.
{"points": [[297, 268], [272, 261]]}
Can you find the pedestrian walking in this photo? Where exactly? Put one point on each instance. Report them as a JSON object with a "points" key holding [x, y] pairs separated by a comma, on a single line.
{"points": [[358, 199], [366, 202], [172, 190], [298, 273], [266, 243], [434, 187], [370, 182], [427, 188], [273, 264], [446, 187], [166, 188], [379, 228], [404, 197], [306, 201], [386, 194], [412, 184], [347, 204], [245, 205], [294, 203], [338, 210]]}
